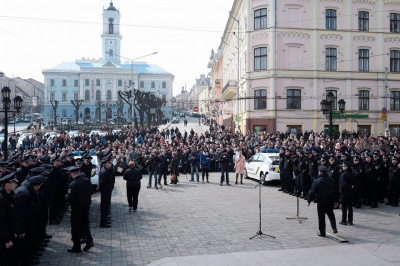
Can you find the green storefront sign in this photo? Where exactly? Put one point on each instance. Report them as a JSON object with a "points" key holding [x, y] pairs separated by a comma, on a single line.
{"points": [[339, 115]]}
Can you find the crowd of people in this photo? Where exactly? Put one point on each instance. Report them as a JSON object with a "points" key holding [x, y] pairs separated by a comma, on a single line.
{"points": [[43, 174]]}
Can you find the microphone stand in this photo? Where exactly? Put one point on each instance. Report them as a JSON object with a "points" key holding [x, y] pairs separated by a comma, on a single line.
{"points": [[260, 233]]}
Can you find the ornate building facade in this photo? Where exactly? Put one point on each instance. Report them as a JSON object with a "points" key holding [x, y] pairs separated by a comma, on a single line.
{"points": [[281, 58], [97, 81]]}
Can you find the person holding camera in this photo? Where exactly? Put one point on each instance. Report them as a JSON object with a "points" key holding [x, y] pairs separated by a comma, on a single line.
{"points": [[224, 161]]}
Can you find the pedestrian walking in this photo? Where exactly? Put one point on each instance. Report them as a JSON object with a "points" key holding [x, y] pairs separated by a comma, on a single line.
{"points": [[132, 177]]}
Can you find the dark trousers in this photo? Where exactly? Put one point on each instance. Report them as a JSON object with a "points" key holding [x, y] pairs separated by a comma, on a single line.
{"points": [[162, 173], [393, 192], [347, 208], [8, 256], [282, 178], [325, 207], [132, 193], [105, 205], [204, 171], [224, 172], [57, 202], [43, 219], [80, 226]]}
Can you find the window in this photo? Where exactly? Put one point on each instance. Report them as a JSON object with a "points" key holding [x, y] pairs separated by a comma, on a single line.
{"points": [[86, 82], [64, 113], [394, 61], [363, 21], [76, 83], [363, 100], [97, 82], [141, 84], [87, 95], [260, 58], [109, 97], [130, 83], [64, 97], [394, 22], [98, 95], [395, 100], [330, 19], [52, 96], [120, 83], [64, 82], [293, 99], [164, 85], [52, 82], [110, 53], [164, 97], [153, 84], [363, 60], [260, 99], [76, 96], [331, 59], [334, 103], [260, 18]]}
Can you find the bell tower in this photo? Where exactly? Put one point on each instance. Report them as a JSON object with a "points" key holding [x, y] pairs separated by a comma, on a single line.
{"points": [[111, 37]]}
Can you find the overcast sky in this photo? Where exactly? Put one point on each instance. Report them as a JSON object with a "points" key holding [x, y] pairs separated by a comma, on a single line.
{"points": [[39, 34]]}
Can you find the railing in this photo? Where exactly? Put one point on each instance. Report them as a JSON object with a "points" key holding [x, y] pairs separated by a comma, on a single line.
{"points": [[230, 84]]}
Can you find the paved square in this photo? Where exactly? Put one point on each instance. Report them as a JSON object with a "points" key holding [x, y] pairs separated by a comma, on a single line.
{"points": [[195, 219]]}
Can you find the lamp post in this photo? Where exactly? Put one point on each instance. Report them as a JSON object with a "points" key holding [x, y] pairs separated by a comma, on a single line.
{"points": [[5, 92], [326, 108], [132, 82]]}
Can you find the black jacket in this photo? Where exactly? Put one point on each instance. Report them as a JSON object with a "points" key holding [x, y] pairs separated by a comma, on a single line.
{"points": [[8, 217], [80, 192], [346, 184], [106, 179], [26, 203], [132, 177], [324, 189], [21, 174]]}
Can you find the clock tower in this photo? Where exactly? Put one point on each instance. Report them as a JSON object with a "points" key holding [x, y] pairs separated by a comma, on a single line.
{"points": [[111, 37]]}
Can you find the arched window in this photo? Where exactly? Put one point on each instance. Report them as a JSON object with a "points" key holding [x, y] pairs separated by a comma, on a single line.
{"points": [[98, 95], [87, 95], [110, 53], [363, 100], [109, 95], [111, 26]]}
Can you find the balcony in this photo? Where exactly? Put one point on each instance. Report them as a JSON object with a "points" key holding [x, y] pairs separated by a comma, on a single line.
{"points": [[229, 90]]}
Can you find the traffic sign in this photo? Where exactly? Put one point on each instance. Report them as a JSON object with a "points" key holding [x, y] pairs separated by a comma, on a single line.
{"points": [[384, 110], [195, 109], [384, 117]]}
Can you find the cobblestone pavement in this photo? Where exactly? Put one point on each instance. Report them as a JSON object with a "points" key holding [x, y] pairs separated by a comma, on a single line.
{"points": [[193, 218]]}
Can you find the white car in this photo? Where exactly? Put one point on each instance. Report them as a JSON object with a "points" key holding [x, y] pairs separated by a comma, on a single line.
{"points": [[175, 119], [22, 137], [73, 134], [264, 166], [98, 132], [95, 171]]}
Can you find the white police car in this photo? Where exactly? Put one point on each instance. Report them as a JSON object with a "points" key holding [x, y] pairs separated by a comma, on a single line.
{"points": [[264, 166]]}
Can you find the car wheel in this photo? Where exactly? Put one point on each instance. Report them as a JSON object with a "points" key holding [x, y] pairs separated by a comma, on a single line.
{"points": [[245, 174], [263, 177]]}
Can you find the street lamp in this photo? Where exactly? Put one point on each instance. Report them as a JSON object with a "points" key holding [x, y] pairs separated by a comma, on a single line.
{"points": [[132, 83], [326, 108], [5, 92]]}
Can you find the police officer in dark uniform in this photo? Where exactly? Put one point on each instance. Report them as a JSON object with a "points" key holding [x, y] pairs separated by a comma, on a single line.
{"points": [[58, 181], [372, 172], [394, 183], [87, 166], [27, 206], [326, 194], [295, 182], [79, 197], [8, 220], [288, 172], [106, 186], [23, 170], [281, 173], [346, 189], [358, 174], [304, 177]]}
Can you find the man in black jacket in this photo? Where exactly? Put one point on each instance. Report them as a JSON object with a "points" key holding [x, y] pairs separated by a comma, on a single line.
{"points": [[106, 186], [132, 177], [224, 161], [8, 220], [325, 193], [346, 189], [79, 196]]}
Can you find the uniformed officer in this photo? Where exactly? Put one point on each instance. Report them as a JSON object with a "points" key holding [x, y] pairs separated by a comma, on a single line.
{"points": [[8, 220], [58, 181], [79, 196], [394, 183], [27, 205], [106, 186], [358, 174], [23, 170], [346, 189], [325, 193]]}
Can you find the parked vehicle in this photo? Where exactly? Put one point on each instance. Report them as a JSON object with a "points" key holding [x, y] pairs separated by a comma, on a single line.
{"points": [[95, 169], [264, 166], [175, 120]]}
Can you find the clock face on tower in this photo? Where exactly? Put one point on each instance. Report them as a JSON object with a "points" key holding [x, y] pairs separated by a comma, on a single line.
{"points": [[109, 81]]}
